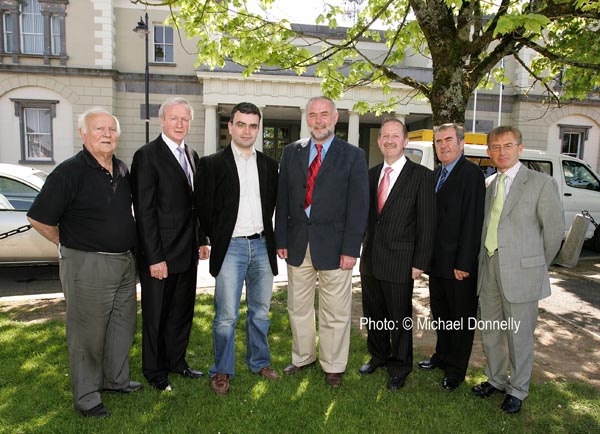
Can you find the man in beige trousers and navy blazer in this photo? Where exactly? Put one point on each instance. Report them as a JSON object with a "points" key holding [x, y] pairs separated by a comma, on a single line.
{"points": [[522, 231]]}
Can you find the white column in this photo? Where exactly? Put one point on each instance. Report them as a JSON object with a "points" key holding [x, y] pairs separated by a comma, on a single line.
{"points": [[210, 129], [353, 122], [401, 117], [258, 145], [303, 126]]}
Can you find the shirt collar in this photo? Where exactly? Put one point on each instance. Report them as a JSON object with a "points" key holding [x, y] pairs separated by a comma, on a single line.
{"points": [[170, 143], [396, 165], [512, 172], [326, 144], [451, 166], [238, 154]]}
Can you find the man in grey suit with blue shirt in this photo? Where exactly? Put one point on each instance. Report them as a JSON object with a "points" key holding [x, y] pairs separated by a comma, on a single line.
{"points": [[522, 231], [321, 213]]}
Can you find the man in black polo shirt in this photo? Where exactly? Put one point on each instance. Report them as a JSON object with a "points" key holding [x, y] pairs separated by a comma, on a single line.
{"points": [[85, 208]]}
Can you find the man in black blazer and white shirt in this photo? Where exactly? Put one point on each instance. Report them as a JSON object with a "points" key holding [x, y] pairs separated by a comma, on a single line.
{"points": [[397, 249], [162, 175], [460, 195], [319, 225], [235, 195]]}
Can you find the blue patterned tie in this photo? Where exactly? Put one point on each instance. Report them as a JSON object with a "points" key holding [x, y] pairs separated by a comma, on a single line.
{"points": [[442, 179]]}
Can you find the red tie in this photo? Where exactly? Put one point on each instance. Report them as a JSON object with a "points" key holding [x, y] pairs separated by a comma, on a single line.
{"points": [[382, 191], [313, 170]]}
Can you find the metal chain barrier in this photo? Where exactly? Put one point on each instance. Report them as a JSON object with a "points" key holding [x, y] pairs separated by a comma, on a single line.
{"points": [[15, 232]]}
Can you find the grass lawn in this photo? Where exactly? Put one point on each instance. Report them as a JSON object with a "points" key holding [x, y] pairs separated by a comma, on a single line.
{"points": [[35, 393]]}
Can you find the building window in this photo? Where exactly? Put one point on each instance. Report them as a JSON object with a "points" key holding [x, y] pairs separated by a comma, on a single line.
{"points": [[35, 121], [8, 33], [33, 28], [163, 44], [55, 41], [572, 138]]}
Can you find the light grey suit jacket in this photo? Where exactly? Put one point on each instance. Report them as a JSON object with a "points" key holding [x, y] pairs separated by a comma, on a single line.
{"points": [[529, 235]]}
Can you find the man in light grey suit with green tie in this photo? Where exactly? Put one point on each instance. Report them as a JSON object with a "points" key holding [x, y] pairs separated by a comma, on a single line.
{"points": [[522, 232]]}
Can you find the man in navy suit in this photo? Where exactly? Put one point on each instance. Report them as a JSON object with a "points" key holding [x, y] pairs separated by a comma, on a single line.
{"points": [[460, 196], [397, 250], [162, 175], [322, 203], [236, 193]]}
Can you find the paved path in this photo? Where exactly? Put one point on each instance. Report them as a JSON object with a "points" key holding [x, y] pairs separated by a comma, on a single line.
{"points": [[575, 291]]}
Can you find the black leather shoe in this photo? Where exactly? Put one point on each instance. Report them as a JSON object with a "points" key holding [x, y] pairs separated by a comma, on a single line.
{"points": [[484, 390], [427, 365], [395, 383], [370, 367], [511, 405], [162, 384], [98, 411], [131, 387], [191, 373], [449, 383]]}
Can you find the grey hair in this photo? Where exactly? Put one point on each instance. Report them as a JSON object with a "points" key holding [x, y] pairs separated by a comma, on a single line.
{"points": [[83, 118], [173, 101], [323, 97], [460, 131]]}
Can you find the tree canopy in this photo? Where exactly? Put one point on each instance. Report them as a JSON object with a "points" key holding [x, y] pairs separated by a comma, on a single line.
{"points": [[556, 41]]}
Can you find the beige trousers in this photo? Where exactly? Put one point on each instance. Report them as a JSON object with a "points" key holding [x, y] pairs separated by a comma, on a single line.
{"points": [[335, 303]]}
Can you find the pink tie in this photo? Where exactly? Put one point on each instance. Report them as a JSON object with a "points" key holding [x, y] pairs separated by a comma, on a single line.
{"points": [[382, 191]]}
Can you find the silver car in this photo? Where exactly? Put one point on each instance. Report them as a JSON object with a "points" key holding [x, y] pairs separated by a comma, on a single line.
{"points": [[19, 185]]}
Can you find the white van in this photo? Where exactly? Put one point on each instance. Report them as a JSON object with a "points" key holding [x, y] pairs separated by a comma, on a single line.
{"points": [[578, 184]]}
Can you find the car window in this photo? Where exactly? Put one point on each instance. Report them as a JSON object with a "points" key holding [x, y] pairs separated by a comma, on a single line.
{"points": [[19, 195], [415, 155], [485, 164], [579, 176]]}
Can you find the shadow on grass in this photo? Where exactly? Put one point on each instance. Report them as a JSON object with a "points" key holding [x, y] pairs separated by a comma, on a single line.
{"points": [[35, 393]]}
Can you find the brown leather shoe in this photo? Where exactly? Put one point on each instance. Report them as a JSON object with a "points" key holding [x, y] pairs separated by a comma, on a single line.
{"points": [[220, 384], [334, 379], [269, 372], [292, 369]]}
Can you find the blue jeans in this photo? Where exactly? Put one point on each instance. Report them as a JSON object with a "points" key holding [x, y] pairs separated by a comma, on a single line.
{"points": [[246, 261]]}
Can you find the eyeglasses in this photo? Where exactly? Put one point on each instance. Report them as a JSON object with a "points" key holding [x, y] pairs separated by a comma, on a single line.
{"points": [[505, 147]]}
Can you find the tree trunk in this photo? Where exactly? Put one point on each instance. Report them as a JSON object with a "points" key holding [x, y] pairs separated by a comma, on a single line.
{"points": [[449, 94]]}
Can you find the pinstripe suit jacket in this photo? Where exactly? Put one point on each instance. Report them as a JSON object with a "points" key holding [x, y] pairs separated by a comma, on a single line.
{"points": [[402, 235]]}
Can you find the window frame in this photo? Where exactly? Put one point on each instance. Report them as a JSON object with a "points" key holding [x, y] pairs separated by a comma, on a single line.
{"points": [[53, 25], [21, 105], [163, 44]]}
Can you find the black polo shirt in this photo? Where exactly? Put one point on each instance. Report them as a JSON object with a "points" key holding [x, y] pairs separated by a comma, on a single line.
{"points": [[91, 206]]}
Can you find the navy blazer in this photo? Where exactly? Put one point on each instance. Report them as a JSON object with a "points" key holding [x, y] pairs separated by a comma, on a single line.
{"points": [[164, 207], [218, 200], [339, 204], [402, 235], [460, 203]]}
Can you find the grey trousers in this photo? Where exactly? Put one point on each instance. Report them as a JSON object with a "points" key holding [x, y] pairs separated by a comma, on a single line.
{"points": [[509, 353], [101, 321]]}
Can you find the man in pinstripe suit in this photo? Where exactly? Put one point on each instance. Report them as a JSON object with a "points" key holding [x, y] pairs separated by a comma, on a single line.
{"points": [[397, 249]]}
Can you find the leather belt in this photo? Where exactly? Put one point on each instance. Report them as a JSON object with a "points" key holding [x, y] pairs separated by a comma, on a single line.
{"points": [[252, 237]]}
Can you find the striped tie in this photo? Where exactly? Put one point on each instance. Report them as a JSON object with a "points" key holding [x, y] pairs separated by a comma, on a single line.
{"points": [[184, 164], [313, 170]]}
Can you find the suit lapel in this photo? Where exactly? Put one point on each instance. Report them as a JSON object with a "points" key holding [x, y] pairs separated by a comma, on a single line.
{"points": [[330, 158], [516, 191], [302, 151], [261, 166], [400, 184], [232, 174], [169, 159]]}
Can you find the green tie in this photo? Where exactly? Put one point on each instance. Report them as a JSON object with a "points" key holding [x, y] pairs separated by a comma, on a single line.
{"points": [[491, 240]]}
